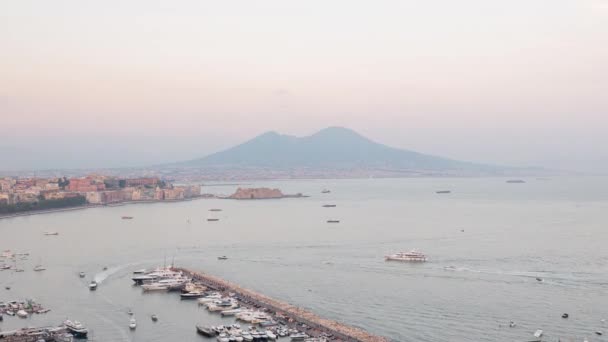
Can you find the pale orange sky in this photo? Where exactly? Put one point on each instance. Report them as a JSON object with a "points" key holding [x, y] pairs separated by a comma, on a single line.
{"points": [[518, 82]]}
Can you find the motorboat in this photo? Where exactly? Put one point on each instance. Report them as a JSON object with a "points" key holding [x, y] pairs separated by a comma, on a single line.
{"points": [[81, 274], [538, 333], [215, 209], [76, 328], [142, 271], [271, 335], [223, 337], [209, 298], [132, 323], [51, 233], [39, 268], [298, 336], [333, 221], [412, 255], [192, 295], [213, 219], [443, 192], [223, 257], [231, 312], [22, 314], [93, 285], [205, 331], [127, 217], [154, 318], [325, 191], [329, 205], [247, 336]]}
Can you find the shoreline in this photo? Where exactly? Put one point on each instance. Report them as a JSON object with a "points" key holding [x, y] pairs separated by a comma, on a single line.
{"points": [[89, 206], [339, 330]]}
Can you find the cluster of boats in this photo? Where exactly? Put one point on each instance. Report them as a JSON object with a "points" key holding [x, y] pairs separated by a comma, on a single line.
{"points": [[234, 333], [21, 309]]}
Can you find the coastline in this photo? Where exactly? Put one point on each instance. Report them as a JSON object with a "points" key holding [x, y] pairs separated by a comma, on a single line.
{"points": [[88, 206]]}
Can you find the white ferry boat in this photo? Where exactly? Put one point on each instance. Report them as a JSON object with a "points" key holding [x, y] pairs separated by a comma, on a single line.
{"points": [[412, 255]]}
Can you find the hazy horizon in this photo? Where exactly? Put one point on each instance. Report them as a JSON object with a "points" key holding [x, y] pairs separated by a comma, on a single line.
{"points": [[112, 84]]}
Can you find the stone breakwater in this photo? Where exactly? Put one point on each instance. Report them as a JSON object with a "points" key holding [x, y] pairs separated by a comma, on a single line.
{"points": [[339, 330]]}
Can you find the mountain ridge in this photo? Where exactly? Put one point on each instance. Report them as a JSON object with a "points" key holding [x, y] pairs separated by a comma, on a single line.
{"points": [[330, 148]]}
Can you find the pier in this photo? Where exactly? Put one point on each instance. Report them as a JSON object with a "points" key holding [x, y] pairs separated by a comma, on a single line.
{"points": [[314, 324]]}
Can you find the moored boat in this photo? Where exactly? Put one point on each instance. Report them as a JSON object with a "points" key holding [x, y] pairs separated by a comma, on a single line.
{"points": [[76, 328], [205, 331], [22, 313]]}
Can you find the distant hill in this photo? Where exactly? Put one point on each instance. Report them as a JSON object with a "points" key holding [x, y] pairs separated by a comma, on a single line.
{"points": [[330, 148]]}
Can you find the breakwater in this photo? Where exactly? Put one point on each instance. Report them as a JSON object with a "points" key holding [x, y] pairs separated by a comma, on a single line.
{"points": [[290, 312]]}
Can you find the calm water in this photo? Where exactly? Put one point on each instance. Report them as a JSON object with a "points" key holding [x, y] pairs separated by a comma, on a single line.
{"points": [[554, 229]]}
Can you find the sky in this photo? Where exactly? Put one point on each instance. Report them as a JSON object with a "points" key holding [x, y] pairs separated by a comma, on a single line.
{"points": [[131, 83]]}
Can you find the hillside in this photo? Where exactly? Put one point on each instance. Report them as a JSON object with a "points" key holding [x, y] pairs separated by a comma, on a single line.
{"points": [[333, 147]]}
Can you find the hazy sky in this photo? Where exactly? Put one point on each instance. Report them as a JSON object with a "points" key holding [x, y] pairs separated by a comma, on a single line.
{"points": [[110, 83]]}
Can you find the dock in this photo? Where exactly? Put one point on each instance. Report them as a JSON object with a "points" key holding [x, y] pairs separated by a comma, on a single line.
{"points": [[291, 313]]}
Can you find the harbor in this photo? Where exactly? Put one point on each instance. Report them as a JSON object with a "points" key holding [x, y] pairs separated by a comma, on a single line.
{"points": [[292, 316]]}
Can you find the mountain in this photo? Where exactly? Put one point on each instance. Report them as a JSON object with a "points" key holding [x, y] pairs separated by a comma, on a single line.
{"points": [[330, 148]]}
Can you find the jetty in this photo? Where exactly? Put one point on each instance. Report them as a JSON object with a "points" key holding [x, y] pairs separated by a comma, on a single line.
{"points": [[314, 324]]}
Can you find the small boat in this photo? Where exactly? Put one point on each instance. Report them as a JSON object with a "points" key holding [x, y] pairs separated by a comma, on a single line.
{"points": [[516, 181], [7, 287], [142, 271], [565, 315], [325, 191], [329, 205], [22, 313], [154, 318], [81, 274], [443, 192], [538, 333], [93, 285], [205, 331], [599, 333], [215, 209], [127, 217], [39, 268], [105, 268], [130, 312], [51, 233], [333, 221], [412, 255], [539, 279], [223, 257], [213, 219], [132, 324], [76, 328]]}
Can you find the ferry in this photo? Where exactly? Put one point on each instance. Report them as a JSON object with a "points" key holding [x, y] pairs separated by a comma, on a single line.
{"points": [[412, 255]]}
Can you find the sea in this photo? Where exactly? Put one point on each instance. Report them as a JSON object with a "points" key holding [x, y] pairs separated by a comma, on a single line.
{"points": [[487, 242]]}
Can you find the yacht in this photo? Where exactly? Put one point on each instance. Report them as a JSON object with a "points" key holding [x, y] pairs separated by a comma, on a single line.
{"points": [[142, 271], [76, 328], [209, 298], [132, 324], [412, 255], [192, 295]]}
